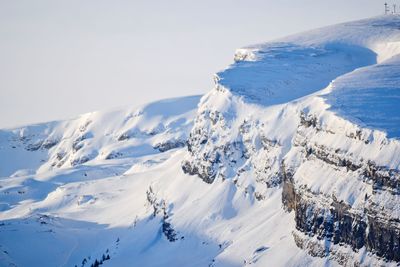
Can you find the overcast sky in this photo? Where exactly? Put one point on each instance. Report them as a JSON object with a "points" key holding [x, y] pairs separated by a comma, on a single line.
{"points": [[59, 59]]}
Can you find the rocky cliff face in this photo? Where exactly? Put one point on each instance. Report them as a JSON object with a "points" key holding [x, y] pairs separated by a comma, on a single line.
{"points": [[364, 218], [339, 175], [295, 169], [239, 146], [342, 198]]}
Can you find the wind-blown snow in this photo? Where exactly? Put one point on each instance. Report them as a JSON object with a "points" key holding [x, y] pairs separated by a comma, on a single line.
{"points": [[299, 65], [370, 97], [111, 183], [285, 71]]}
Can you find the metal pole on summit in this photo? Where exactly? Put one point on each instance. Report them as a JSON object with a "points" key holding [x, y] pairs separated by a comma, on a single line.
{"points": [[386, 9]]}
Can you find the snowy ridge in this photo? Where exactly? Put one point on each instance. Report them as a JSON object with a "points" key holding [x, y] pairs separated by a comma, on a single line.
{"points": [[274, 118], [98, 136], [294, 171]]}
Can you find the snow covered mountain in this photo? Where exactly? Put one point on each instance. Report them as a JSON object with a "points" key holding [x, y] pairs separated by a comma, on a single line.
{"points": [[293, 159]]}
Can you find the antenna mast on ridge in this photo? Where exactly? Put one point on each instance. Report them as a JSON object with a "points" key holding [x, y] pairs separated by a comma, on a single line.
{"points": [[386, 9]]}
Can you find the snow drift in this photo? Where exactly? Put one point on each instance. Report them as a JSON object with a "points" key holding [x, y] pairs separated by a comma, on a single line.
{"points": [[293, 159]]}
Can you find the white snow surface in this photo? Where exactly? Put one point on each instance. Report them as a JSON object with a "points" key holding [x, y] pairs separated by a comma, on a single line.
{"points": [[73, 191]]}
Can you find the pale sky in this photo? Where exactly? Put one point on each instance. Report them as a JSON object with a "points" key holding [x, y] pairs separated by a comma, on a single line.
{"points": [[59, 59]]}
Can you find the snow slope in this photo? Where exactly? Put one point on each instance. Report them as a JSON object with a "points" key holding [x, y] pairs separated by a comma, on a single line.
{"points": [[296, 66], [292, 130], [75, 213]]}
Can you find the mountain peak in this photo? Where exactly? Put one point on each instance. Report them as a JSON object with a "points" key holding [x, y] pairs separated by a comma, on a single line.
{"points": [[292, 159]]}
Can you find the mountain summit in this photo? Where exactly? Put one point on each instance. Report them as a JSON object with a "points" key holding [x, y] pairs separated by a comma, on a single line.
{"points": [[293, 159]]}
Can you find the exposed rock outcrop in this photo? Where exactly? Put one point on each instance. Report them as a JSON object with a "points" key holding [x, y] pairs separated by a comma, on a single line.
{"points": [[341, 194], [367, 217]]}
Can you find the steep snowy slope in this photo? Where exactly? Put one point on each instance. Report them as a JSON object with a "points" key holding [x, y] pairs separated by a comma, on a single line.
{"points": [[315, 114], [297, 148]]}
